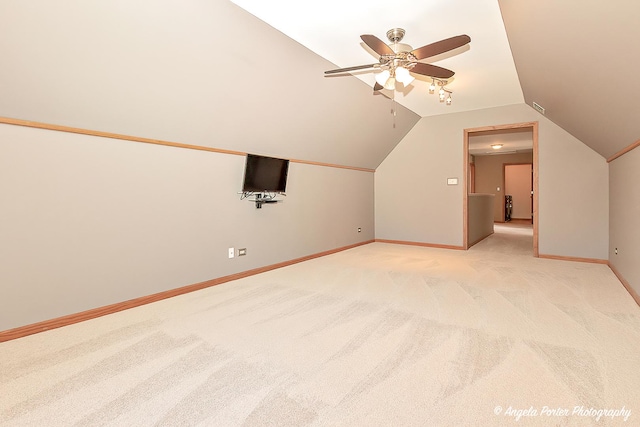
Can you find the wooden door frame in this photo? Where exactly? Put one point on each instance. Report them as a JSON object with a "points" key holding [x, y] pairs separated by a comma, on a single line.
{"points": [[465, 174], [472, 169]]}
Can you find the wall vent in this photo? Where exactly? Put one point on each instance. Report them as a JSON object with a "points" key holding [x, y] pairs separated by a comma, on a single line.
{"points": [[538, 108]]}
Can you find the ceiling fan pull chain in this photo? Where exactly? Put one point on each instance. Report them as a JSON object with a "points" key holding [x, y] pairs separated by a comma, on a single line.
{"points": [[393, 107]]}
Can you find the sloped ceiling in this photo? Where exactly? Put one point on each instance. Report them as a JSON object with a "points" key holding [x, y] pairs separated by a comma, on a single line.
{"points": [[208, 72], [196, 72], [580, 60]]}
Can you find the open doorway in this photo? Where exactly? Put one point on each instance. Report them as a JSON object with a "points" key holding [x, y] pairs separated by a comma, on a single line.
{"points": [[518, 190], [507, 140]]}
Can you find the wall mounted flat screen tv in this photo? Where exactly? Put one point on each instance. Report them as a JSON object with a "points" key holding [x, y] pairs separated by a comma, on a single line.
{"points": [[265, 174]]}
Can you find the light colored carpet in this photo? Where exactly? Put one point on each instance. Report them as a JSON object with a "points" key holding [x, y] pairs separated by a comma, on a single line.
{"points": [[379, 335], [508, 238]]}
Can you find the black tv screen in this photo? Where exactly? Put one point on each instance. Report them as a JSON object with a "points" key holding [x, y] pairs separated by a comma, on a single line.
{"points": [[266, 174]]}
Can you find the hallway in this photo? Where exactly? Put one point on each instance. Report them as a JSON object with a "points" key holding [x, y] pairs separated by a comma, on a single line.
{"points": [[508, 238]]}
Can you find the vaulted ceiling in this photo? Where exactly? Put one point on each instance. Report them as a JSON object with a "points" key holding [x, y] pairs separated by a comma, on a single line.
{"points": [[249, 76], [485, 73]]}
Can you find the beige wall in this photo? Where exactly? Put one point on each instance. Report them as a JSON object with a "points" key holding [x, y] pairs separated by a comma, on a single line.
{"points": [[624, 211], [88, 221], [489, 177], [480, 213], [414, 203]]}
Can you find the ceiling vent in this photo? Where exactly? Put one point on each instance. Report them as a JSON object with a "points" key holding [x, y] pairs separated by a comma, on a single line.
{"points": [[538, 108]]}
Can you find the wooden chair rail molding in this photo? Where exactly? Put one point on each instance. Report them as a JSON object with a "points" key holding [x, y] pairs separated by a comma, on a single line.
{"points": [[70, 319], [624, 151], [58, 128]]}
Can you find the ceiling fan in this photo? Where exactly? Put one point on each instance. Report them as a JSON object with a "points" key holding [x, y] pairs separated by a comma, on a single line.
{"points": [[397, 63]]}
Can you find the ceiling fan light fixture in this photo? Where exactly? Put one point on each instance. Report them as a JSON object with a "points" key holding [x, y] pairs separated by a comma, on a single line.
{"points": [[399, 61], [403, 76], [390, 84], [382, 77]]}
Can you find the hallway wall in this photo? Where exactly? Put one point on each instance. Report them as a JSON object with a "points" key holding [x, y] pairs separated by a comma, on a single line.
{"points": [[489, 177]]}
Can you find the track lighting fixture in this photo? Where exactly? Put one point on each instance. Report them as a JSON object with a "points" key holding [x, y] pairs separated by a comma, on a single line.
{"points": [[387, 79], [444, 94]]}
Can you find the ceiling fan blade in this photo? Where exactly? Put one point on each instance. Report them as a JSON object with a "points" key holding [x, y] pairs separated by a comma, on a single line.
{"points": [[431, 71], [377, 87], [346, 70], [442, 46], [378, 46]]}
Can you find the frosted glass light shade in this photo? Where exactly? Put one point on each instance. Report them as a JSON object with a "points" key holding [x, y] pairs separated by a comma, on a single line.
{"points": [[390, 84], [403, 76], [382, 77]]}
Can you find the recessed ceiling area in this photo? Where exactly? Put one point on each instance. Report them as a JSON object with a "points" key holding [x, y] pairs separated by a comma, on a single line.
{"points": [[485, 72], [521, 51]]}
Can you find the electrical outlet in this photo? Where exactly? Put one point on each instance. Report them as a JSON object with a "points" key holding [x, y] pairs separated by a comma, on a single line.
{"points": [[616, 251], [242, 252], [232, 252], [359, 230]]}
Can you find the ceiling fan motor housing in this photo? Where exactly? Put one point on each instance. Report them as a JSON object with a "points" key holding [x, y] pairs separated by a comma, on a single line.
{"points": [[395, 35]]}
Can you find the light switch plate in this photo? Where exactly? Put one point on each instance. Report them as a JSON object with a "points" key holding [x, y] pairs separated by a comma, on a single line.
{"points": [[452, 181]]}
